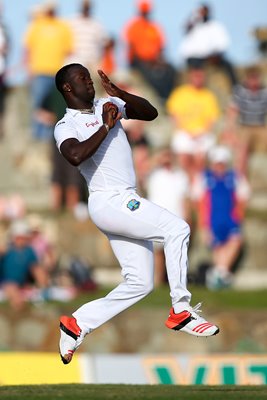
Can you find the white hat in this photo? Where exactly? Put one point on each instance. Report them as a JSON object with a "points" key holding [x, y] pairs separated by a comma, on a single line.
{"points": [[220, 154], [19, 228]]}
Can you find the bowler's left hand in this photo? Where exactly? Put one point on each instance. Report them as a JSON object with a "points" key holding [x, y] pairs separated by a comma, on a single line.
{"points": [[109, 86]]}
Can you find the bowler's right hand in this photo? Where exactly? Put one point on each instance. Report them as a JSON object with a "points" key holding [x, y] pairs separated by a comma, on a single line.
{"points": [[110, 114]]}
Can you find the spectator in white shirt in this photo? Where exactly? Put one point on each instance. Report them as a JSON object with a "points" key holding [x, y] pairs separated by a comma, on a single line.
{"points": [[90, 38], [206, 41]]}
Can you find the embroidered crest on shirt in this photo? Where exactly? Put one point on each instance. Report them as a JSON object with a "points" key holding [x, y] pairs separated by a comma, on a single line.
{"points": [[133, 204]]}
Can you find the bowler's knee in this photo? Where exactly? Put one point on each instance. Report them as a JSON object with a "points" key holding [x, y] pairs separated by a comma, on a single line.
{"points": [[141, 287], [145, 287]]}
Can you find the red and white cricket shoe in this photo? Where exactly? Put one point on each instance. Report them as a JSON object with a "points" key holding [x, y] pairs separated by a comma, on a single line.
{"points": [[191, 322], [71, 337]]}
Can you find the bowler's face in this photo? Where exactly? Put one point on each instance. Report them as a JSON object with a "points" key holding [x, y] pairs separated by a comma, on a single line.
{"points": [[82, 86]]}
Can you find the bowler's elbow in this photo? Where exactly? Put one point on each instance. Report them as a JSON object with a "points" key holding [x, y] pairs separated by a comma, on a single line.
{"points": [[70, 152], [74, 160], [152, 114], [155, 114]]}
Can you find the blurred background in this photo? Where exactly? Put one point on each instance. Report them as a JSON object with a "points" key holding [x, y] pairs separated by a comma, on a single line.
{"points": [[204, 66]]}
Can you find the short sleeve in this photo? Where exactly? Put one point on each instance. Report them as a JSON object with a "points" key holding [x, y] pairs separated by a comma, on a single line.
{"points": [[121, 106], [63, 131], [119, 103]]}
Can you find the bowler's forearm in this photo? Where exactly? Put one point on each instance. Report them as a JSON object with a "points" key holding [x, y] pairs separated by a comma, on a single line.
{"points": [[76, 152], [138, 108]]}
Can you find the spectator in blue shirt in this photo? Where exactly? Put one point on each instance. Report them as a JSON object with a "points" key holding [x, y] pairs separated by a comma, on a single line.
{"points": [[19, 263], [221, 194]]}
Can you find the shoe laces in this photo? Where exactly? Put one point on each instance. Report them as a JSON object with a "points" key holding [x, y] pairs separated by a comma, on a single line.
{"points": [[80, 339], [196, 310]]}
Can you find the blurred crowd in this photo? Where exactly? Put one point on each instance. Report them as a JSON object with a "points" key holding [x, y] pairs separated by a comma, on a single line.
{"points": [[201, 173]]}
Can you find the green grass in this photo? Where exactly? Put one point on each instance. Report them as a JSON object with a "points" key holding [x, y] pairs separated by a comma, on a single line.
{"points": [[226, 300], [132, 392]]}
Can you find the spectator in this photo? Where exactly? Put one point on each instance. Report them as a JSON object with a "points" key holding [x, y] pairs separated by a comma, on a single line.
{"points": [[12, 207], [4, 48], [145, 43], [138, 139], [134, 128], [194, 109], [247, 113], [167, 186], [48, 41], [144, 38], [206, 41], [18, 263], [108, 64], [66, 181], [260, 34], [90, 38], [41, 245], [221, 194], [142, 163]]}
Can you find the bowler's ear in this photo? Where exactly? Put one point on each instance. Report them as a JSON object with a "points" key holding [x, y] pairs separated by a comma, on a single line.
{"points": [[66, 87]]}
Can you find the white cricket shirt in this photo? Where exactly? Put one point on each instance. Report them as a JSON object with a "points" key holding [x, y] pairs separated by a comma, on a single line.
{"points": [[111, 166]]}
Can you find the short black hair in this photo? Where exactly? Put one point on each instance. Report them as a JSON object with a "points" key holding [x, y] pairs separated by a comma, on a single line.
{"points": [[62, 75]]}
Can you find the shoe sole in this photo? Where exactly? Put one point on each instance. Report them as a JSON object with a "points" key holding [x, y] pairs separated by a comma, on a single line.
{"points": [[65, 332], [66, 358]]}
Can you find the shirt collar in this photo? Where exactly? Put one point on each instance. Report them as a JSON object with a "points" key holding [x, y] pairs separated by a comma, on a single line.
{"points": [[75, 112]]}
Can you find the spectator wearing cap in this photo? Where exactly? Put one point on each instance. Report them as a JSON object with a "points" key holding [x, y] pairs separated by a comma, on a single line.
{"points": [[221, 195], [18, 263], [144, 38]]}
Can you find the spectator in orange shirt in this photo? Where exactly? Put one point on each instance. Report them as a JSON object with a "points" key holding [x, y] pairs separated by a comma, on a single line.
{"points": [[144, 38], [108, 58], [145, 44]]}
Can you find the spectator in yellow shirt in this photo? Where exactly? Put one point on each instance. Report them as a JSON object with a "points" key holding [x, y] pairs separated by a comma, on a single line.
{"points": [[194, 109], [48, 42]]}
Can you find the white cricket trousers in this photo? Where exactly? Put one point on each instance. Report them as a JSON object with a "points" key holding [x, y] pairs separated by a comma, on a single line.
{"points": [[131, 232]]}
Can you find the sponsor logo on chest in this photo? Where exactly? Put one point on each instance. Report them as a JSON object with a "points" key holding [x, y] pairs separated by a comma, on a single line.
{"points": [[92, 124]]}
